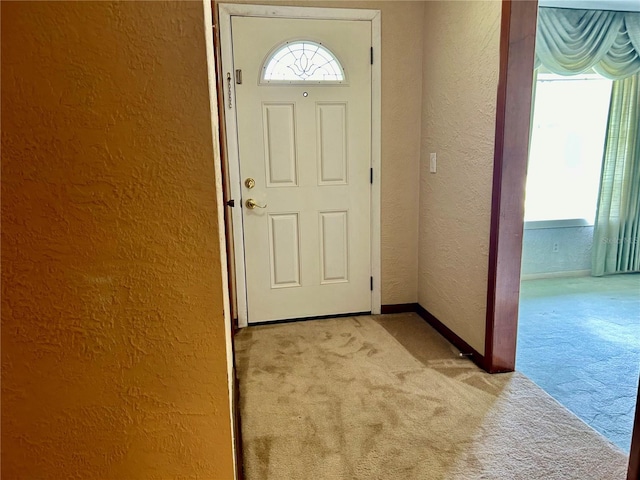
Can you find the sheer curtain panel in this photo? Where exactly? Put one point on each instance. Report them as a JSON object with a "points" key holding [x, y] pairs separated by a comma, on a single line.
{"points": [[616, 240]]}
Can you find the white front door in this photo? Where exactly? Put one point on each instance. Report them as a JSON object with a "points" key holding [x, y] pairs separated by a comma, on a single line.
{"points": [[303, 93]]}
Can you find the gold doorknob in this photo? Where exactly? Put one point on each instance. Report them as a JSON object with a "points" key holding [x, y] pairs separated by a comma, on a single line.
{"points": [[251, 203]]}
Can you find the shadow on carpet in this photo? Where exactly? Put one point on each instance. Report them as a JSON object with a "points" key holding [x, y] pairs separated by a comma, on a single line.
{"points": [[387, 398]]}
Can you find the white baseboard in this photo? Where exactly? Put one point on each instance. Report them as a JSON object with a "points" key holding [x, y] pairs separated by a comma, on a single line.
{"points": [[572, 273]]}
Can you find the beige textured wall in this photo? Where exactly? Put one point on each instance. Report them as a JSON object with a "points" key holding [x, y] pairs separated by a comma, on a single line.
{"points": [[402, 24], [113, 345], [461, 60]]}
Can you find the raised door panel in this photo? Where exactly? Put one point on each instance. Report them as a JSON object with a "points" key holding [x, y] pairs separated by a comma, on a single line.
{"points": [[279, 124], [331, 133], [334, 247], [284, 250]]}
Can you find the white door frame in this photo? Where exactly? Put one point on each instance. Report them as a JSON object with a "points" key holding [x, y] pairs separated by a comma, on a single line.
{"points": [[226, 11]]}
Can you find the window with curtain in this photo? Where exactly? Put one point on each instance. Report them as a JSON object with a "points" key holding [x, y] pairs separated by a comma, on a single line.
{"points": [[575, 41]]}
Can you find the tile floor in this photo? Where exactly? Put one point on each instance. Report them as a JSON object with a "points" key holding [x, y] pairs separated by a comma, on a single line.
{"points": [[579, 339]]}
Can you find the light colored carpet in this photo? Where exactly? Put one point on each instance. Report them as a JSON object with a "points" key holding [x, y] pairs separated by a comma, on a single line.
{"points": [[579, 340], [387, 398]]}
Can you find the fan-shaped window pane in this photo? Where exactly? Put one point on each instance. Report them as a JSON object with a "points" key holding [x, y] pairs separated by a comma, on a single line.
{"points": [[302, 61]]}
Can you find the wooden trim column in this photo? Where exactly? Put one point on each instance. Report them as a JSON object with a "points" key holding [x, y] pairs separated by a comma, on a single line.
{"points": [[517, 50], [634, 455]]}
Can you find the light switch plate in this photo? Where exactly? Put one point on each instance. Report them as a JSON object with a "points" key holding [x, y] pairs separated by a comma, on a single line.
{"points": [[432, 163]]}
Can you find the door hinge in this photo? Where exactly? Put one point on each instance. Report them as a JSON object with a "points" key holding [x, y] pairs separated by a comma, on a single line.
{"points": [[371, 175], [239, 76], [371, 283], [371, 55]]}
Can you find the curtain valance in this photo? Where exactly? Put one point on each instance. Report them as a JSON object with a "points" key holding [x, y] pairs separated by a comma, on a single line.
{"points": [[571, 41]]}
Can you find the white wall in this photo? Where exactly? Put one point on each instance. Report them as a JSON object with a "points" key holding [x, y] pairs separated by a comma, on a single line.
{"points": [[461, 61], [573, 255]]}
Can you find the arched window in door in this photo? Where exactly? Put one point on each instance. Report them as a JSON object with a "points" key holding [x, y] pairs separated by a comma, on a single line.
{"points": [[302, 61]]}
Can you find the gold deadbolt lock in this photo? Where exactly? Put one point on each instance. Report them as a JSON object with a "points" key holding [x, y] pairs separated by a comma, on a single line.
{"points": [[249, 183]]}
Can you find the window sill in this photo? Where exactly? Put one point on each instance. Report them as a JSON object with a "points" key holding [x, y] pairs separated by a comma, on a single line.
{"points": [[564, 223]]}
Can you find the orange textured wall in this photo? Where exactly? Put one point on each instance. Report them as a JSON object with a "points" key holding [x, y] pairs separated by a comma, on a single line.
{"points": [[113, 348]]}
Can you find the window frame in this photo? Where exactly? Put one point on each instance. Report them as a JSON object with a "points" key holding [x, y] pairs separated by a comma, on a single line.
{"points": [[546, 76], [262, 81]]}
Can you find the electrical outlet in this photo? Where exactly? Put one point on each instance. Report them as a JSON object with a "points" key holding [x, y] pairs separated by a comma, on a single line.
{"points": [[556, 247]]}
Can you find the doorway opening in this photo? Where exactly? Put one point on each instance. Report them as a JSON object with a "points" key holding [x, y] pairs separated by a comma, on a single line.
{"points": [[302, 116], [513, 122]]}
